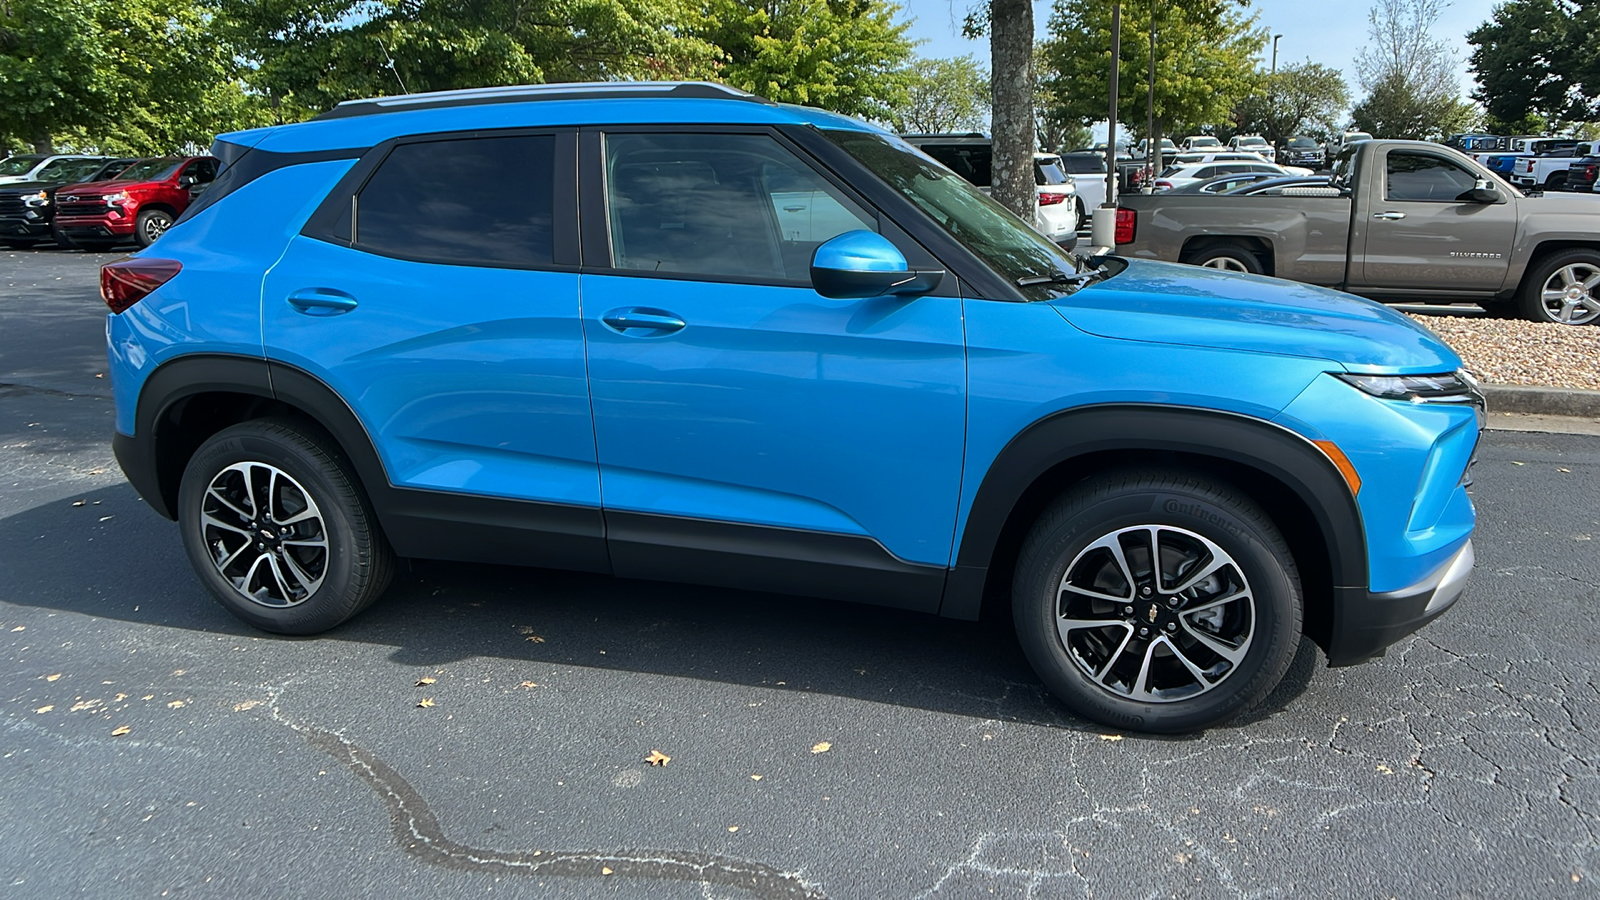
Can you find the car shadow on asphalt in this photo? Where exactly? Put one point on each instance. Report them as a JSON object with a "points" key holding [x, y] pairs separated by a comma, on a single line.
{"points": [[435, 613]]}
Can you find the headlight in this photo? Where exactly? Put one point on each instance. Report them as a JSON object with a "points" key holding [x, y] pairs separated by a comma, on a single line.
{"points": [[118, 197], [39, 199], [1457, 385]]}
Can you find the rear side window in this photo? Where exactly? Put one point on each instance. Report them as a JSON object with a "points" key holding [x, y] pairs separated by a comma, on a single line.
{"points": [[973, 162], [470, 202]]}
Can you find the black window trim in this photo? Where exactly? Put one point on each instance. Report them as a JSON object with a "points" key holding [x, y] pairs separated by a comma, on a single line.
{"points": [[1409, 151], [564, 198]]}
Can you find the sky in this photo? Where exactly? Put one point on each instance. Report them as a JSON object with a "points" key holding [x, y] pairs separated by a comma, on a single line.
{"points": [[1330, 32]]}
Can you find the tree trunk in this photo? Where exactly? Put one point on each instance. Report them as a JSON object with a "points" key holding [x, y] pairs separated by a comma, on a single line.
{"points": [[1011, 87], [42, 143]]}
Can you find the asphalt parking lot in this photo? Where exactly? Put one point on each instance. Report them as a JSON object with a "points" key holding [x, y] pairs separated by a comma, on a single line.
{"points": [[153, 746]]}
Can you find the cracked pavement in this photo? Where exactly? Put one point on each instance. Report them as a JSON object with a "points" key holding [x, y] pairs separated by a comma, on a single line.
{"points": [[1464, 764]]}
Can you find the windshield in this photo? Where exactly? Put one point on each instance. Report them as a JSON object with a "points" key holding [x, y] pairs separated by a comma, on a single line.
{"points": [[150, 169], [999, 238], [1084, 165], [18, 165], [1302, 143], [1252, 142], [67, 171], [1204, 142]]}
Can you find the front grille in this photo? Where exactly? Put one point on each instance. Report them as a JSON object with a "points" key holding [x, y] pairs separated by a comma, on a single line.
{"points": [[12, 206], [83, 208]]}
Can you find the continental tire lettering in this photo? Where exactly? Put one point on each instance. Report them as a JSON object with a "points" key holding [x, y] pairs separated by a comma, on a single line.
{"points": [[1200, 512]]}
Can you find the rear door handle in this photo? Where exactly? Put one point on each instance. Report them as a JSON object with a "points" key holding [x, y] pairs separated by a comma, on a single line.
{"points": [[1389, 215], [642, 318], [321, 301]]}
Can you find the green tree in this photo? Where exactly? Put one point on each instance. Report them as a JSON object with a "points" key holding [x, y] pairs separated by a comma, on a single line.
{"points": [[944, 95], [1297, 98], [1522, 62], [1056, 131], [1409, 75], [845, 55], [1206, 54]]}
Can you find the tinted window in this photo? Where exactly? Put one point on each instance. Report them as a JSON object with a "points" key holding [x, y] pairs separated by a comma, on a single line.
{"points": [[974, 162], [720, 205], [1048, 171], [1414, 176], [475, 202], [67, 171], [203, 170], [1084, 165]]}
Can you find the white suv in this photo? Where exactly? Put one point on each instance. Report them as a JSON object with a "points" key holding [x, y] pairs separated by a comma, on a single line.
{"points": [[1253, 143]]}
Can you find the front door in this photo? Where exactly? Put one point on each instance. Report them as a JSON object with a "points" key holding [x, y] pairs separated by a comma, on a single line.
{"points": [[1423, 234], [750, 431]]}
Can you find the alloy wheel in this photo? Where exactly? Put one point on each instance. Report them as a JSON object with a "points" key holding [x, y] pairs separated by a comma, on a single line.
{"points": [[1155, 613], [1226, 264], [1571, 294], [265, 534], [155, 226]]}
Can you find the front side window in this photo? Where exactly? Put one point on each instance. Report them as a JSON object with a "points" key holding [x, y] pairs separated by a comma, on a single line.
{"points": [[470, 202], [723, 206], [203, 170], [1422, 177]]}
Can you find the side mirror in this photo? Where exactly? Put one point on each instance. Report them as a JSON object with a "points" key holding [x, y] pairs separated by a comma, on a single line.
{"points": [[1483, 192], [857, 265], [186, 180]]}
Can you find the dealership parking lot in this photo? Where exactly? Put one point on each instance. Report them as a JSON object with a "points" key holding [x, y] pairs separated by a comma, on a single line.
{"points": [[154, 745]]}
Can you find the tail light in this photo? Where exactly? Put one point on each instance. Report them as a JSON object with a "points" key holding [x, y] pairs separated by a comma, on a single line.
{"points": [[1051, 199], [127, 281], [1163, 185], [1127, 226]]}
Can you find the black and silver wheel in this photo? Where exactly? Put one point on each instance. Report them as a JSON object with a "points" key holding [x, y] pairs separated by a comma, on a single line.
{"points": [[1228, 258], [151, 225], [278, 530], [1082, 214], [1157, 601], [1564, 288]]}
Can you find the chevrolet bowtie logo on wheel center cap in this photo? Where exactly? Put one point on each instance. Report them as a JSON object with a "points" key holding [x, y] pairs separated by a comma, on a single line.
{"points": [[1153, 612]]}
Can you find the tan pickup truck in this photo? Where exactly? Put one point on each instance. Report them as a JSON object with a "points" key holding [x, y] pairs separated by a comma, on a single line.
{"points": [[1405, 221]]}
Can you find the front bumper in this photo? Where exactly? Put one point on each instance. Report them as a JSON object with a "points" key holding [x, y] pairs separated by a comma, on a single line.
{"points": [[15, 227], [98, 227], [1365, 623]]}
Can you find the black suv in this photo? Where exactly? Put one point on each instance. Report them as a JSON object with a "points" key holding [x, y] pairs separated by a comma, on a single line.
{"points": [[27, 208]]}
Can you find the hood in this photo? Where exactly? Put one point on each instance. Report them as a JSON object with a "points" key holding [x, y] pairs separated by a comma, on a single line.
{"points": [[28, 187], [1562, 202], [95, 188], [1168, 303]]}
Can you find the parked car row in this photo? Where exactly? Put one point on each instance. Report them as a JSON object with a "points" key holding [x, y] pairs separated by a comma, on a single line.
{"points": [[96, 202]]}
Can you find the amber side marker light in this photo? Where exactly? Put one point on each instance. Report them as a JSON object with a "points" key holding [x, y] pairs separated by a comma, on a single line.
{"points": [[1342, 463], [127, 281]]}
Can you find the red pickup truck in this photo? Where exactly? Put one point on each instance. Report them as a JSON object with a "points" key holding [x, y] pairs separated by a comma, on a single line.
{"points": [[141, 203]]}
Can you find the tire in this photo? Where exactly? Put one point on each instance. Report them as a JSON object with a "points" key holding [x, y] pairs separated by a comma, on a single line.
{"points": [[332, 566], [1083, 214], [1563, 288], [20, 245], [1227, 257], [1242, 645], [151, 225], [1556, 182]]}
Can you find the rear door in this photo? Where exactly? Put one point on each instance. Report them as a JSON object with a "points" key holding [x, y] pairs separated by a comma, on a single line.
{"points": [[436, 291], [1422, 233], [750, 431]]}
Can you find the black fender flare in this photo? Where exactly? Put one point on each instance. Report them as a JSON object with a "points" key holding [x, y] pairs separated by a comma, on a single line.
{"points": [[1231, 438]]}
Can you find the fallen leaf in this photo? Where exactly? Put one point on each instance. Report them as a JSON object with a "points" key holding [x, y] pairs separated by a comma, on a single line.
{"points": [[733, 828], [1110, 737], [1385, 769], [86, 704], [537, 639], [821, 746], [425, 703], [1562, 469], [52, 677], [46, 708], [525, 629], [179, 671], [657, 758], [120, 730], [1515, 463], [78, 503], [176, 704], [248, 704], [755, 777], [528, 684], [605, 870], [19, 628], [106, 518], [148, 697], [423, 681], [120, 698]]}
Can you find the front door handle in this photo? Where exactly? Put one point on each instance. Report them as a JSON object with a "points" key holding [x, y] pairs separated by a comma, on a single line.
{"points": [[642, 318], [1389, 215], [321, 301]]}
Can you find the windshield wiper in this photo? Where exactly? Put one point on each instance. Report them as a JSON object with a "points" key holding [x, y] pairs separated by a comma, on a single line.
{"points": [[1079, 280]]}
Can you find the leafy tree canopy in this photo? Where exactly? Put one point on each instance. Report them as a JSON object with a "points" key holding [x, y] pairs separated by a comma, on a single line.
{"points": [[944, 95], [1297, 99], [1409, 75]]}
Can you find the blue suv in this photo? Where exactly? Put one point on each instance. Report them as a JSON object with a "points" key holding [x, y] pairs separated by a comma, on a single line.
{"points": [[676, 331]]}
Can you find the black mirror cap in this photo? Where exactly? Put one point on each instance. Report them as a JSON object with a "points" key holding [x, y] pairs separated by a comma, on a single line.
{"points": [[842, 284]]}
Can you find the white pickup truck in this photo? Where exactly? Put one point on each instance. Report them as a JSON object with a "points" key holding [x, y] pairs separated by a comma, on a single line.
{"points": [[1548, 172]]}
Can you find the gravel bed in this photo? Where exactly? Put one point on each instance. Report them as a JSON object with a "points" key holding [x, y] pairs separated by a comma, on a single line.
{"points": [[1514, 351]]}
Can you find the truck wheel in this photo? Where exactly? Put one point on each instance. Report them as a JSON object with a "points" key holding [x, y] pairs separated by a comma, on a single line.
{"points": [[1228, 258], [151, 224], [278, 529], [1564, 288], [1083, 215], [1556, 182], [1157, 601]]}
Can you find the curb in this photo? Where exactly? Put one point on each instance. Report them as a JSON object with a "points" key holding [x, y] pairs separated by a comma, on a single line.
{"points": [[1541, 401]]}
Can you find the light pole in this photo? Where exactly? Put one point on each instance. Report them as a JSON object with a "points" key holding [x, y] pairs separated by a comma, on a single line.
{"points": [[1275, 39]]}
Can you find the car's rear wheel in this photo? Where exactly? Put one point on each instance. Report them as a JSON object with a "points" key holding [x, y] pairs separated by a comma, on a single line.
{"points": [[1227, 257], [278, 529], [1564, 288], [151, 225], [1157, 601], [1082, 214]]}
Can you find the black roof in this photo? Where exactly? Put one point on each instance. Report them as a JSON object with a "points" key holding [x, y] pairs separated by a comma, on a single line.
{"points": [[525, 93]]}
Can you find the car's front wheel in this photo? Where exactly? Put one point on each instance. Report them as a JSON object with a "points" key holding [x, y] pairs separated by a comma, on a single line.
{"points": [[278, 529], [151, 225], [1157, 601], [1564, 288]]}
